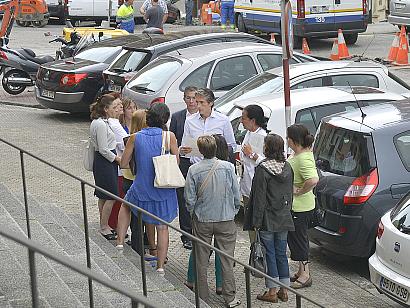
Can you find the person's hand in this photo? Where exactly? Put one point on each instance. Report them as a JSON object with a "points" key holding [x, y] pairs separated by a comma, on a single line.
{"points": [[185, 150], [296, 190], [118, 160], [247, 150]]}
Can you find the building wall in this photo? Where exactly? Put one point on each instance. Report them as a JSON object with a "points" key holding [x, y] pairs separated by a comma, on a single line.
{"points": [[379, 8]]}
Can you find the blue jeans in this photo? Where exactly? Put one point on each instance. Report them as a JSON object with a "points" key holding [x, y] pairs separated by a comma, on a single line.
{"points": [[276, 259], [227, 12], [189, 6]]}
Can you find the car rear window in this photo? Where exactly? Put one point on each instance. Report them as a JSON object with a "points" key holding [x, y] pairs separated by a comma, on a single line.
{"points": [[399, 80], [344, 152], [128, 61], [154, 76], [100, 54], [400, 215], [402, 143]]}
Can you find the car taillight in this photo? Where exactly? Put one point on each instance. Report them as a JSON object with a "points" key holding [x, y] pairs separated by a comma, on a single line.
{"points": [[380, 230], [364, 4], [72, 79], [362, 188], [3, 55], [158, 100], [301, 8]]}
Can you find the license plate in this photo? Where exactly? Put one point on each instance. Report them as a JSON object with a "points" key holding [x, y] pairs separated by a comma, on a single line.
{"points": [[319, 9], [394, 289], [399, 6], [114, 88], [47, 93]]}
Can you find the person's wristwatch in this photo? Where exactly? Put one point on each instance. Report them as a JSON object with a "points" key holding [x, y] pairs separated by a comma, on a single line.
{"points": [[252, 156]]}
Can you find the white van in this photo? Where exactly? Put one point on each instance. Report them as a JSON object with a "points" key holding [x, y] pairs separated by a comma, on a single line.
{"points": [[96, 10], [311, 18]]}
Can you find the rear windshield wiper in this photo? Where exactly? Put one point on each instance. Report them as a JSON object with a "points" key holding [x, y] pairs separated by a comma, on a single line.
{"points": [[141, 88], [120, 70]]}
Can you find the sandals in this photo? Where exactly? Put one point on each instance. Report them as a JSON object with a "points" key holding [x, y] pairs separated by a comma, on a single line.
{"points": [[109, 236], [266, 297], [300, 285]]}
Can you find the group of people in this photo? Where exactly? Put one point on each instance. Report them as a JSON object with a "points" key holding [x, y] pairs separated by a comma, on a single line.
{"points": [[276, 192]]}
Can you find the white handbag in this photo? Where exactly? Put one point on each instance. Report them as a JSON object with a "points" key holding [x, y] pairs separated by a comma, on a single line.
{"points": [[88, 155], [167, 173]]}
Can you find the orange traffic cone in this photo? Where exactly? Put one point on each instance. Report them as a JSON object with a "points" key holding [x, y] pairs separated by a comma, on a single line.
{"points": [[272, 38], [403, 33], [305, 47], [343, 51], [402, 54], [334, 56], [394, 48]]}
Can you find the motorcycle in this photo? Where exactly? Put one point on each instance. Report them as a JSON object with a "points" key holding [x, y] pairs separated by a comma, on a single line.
{"points": [[67, 49]]}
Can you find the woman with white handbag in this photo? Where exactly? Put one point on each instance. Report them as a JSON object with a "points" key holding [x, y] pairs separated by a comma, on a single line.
{"points": [[148, 190]]}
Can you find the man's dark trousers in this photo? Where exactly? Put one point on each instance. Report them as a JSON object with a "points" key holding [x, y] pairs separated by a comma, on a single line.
{"points": [[184, 217]]}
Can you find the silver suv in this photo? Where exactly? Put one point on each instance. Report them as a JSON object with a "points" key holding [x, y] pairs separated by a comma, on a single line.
{"points": [[399, 12]]}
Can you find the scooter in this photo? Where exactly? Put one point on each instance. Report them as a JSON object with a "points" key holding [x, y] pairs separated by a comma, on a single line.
{"points": [[19, 67], [67, 49]]}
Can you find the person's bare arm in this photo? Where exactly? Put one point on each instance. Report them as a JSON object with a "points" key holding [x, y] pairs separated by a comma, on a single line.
{"points": [[174, 146], [307, 186], [164, 19]]}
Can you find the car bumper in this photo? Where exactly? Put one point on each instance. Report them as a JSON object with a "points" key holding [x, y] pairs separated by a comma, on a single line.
{"points": [[70, 102], [398, 20], [305, 29], [378, 270]]}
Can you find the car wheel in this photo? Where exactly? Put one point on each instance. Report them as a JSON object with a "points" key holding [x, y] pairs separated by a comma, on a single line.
{"points": [[13, 90], [351, 38], [241, 24]]}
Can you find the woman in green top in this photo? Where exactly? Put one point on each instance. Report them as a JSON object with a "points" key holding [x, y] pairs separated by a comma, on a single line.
{"points": [[305, 179]]}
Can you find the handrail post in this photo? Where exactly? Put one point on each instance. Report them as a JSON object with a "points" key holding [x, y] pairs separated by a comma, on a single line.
{"points": [[23, 175], [33, 278], [87, 244], [248, 287], [142, 253], [195, 268], [298, 301]]}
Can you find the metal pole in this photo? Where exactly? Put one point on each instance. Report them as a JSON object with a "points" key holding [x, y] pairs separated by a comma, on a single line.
{"points": [[23, 176], [248, 288], [298, 301], [109, 11], [286, 89], [195, 268], [33, 278], [287, 36], [141, 250], [87, 244]]}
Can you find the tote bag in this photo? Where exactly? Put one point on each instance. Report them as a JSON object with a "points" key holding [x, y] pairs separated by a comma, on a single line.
{"points": [[257, 258], [88, 155], [167, 173]]}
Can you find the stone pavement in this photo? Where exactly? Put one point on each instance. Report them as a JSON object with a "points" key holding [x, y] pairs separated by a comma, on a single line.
{"points": [[59, 138]]}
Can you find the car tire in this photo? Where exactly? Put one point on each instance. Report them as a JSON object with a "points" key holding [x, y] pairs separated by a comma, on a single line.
{"points": [[13, 90], [240, 23], [351, 39]]}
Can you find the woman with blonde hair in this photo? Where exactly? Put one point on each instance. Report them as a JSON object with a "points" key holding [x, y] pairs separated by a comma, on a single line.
{"points": [[129, 107]]}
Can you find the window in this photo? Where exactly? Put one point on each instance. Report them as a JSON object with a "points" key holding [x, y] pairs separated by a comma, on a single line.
{"points": [[305, 117], [197, 78], [101, 54], [364, 80], [230, 72], [323, 111], [268, 61], [154, 76], [400, 215], [128, 62], [312, 83], [402, 143]]}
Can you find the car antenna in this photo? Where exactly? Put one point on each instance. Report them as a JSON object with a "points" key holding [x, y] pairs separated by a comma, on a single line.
{"points": [[360, 57], [358, 104]]}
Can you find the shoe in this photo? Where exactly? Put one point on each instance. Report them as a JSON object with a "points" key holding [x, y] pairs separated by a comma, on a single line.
{"points": [[128, 242], [161, 271], [234, 303], [148, 257], [218, 291], [294, 278], [187, 244], [119, 247], [110, 236], [282, 296], [299, 285], [266, 297]]}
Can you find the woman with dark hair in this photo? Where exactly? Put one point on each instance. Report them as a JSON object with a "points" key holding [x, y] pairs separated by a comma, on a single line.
{"points": [[305, 179], [254, 121], [106, 160], [161, 202], [269, 212]]}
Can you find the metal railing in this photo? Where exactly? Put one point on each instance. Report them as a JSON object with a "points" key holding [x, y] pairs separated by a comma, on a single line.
{"points": [[247, 269]]}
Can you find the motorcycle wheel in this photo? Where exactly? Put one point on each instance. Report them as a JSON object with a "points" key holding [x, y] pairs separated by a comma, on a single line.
{"points": [[13, 90], [40, 23]]}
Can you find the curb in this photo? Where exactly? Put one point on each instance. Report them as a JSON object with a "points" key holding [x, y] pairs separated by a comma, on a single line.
{"points": [[22, 105]]}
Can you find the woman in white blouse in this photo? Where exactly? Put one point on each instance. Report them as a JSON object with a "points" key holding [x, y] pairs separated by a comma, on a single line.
{"points": [[106, 160]]}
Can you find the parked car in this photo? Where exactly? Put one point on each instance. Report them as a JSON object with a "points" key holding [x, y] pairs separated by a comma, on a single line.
{"points": [[308, 75], [309, 106], [390, 265], [399, 12], [218, 66], [362, 160], [132, 58], [59, 9]]}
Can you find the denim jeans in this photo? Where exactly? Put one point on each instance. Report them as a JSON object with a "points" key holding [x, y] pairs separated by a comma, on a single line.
{"points": [[277, 261], [227, 12], [189, 6]]}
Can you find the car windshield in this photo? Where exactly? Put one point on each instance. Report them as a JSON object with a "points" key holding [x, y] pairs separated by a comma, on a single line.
{"points": [[128, 61], [154, 76], [344, 152], [99, 54], [257, 86]]}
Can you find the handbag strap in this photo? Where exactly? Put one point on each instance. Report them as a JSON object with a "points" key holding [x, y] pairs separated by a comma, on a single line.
{"points": [[166, 140], [207, 178]]}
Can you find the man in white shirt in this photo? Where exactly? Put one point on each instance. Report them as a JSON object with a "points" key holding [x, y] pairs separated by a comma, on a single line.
{"points": [[147, 4], [206, 122]]}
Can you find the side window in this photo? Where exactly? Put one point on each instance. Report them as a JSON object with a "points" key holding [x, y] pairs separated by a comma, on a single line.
{"points": [[305, 117], [197, 78], [230, 72], [268, 61], [323, 111], [402, 143], [364, 80], [312, 83]]}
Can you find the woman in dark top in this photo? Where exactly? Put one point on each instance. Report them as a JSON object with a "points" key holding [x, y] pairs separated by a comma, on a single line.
{"points": [[269, 212]]}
